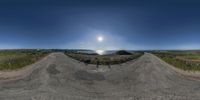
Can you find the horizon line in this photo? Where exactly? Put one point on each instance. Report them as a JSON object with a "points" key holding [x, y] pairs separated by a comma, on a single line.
{"points": [[95, 50]]}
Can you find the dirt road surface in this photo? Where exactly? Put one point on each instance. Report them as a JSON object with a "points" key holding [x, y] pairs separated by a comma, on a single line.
{"points": [[58, 77]]}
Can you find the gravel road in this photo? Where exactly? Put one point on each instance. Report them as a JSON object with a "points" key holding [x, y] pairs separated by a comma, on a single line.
{"points": [[58, 77]]}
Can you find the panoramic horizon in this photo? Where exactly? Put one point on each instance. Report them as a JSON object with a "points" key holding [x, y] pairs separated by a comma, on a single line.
{"points": [[100, 25], [99, 49]]}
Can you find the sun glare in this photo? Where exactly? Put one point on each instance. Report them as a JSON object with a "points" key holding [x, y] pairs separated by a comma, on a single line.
{"points": [[100, 52], [100, 38]]}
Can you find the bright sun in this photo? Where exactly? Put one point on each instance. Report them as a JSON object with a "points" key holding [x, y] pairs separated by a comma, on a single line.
{"points": [[100, 38]]}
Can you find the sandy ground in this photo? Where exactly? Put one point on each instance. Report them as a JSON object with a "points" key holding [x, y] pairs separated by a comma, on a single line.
{"points": [[58, 77]]}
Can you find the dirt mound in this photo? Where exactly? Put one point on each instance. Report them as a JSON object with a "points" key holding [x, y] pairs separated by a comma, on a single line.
{"points": [[59, 77]]}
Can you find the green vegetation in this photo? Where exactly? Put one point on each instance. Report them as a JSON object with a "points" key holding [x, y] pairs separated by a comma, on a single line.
{"points": [[14, 59], [186, 60], [103, 59], [123, 52]]}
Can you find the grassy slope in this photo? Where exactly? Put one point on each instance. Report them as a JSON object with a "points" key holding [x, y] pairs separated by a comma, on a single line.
{"points": [[182, 60], [14, 59]]}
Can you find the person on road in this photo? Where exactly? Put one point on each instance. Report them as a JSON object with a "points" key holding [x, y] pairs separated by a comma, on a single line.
{"points": [[97, 62], [108, 63]]}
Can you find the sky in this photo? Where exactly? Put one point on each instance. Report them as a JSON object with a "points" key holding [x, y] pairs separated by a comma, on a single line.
{"points": [[123, 24]]}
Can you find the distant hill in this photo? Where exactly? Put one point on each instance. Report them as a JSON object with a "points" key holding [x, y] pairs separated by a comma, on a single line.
{"points": [[123, 52]]}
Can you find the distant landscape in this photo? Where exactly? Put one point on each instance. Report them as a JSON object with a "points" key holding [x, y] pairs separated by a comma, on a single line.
{"points": [[112, 57], [188, 60]]}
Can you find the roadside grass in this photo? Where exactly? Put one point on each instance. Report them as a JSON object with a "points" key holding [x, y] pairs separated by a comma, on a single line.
{"points": [[103, 59], [192, 56], [184, 60], [15, 59]]}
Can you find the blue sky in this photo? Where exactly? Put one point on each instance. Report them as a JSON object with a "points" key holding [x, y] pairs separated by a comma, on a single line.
{"points": [[124, 24]]}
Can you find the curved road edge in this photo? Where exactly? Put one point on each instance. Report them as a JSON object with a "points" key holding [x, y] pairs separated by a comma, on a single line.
{"points": [[22, 72]]}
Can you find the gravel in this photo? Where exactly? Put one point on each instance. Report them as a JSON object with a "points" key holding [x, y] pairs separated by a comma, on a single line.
{"points": [[58, 77]]}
